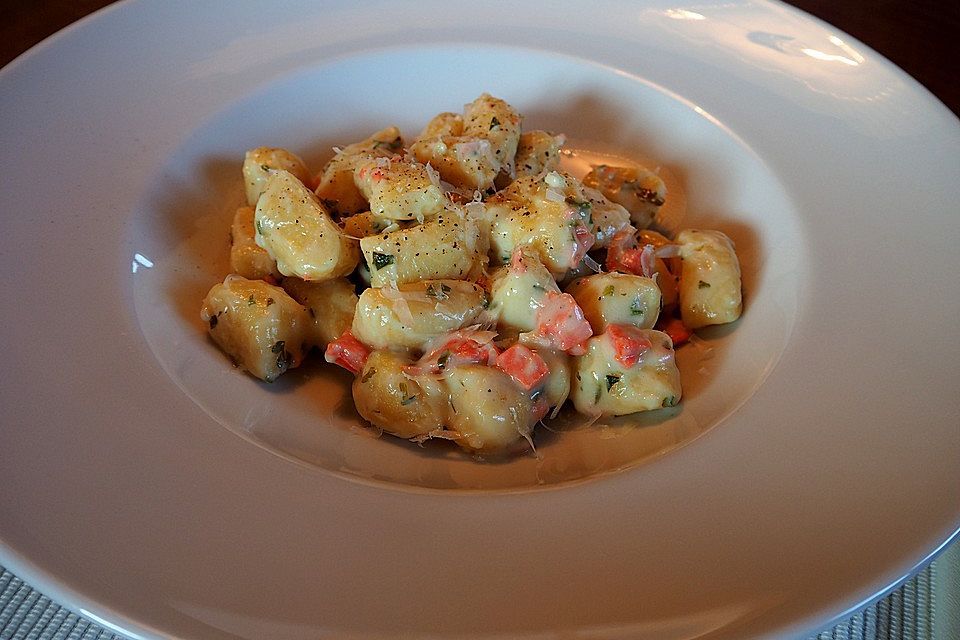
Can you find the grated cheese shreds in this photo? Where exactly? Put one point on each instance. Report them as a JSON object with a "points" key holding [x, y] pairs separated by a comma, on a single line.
{"points": [[391, 292], [554, 196]]}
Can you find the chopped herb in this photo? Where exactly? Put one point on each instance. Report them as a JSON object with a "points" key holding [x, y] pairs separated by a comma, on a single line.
{"points": [[278, 346], [648, 195], [669, 401], [265, 167], [393, 145], [251, 300], [494, 123], [259, 227], [381, 260], [284, 360], [442, 360], [612, 380], [369, 374], [609, 291], [636, 307], [438, 293], [703, 285], [406, 399], [583, 206]]}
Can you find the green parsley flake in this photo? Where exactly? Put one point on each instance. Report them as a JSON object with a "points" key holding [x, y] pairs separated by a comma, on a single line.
{"points": [[647, 195], [669, 401], [381, 260], [703, 285], [406, 398], [284, 360], [609, 291], [612, 379], [636, 307], [442, 360], [391, 145], [438, 293], [583, 207]]}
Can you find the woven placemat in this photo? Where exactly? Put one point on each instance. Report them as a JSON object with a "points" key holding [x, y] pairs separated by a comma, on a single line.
{"points": [[906, 614]]}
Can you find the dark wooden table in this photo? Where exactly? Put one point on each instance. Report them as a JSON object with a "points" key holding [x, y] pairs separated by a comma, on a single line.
{"points": [[918, 36]]}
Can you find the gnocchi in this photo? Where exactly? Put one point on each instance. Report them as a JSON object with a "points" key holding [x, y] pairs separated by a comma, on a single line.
{"points": [[259, 162], [298, 232], [471, 282], [257, 324], [335, 184], [710, 290], [247, 258], [471, 151], [408, 316]]}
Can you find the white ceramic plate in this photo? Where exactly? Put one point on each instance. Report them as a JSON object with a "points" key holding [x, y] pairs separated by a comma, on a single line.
{"points": [[819, 464]]}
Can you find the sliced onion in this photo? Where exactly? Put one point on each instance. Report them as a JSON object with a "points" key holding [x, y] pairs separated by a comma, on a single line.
{"points": [[592, 264]]}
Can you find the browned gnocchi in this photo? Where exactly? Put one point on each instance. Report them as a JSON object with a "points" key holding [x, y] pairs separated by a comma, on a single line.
{"points": [[472, 282]]}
